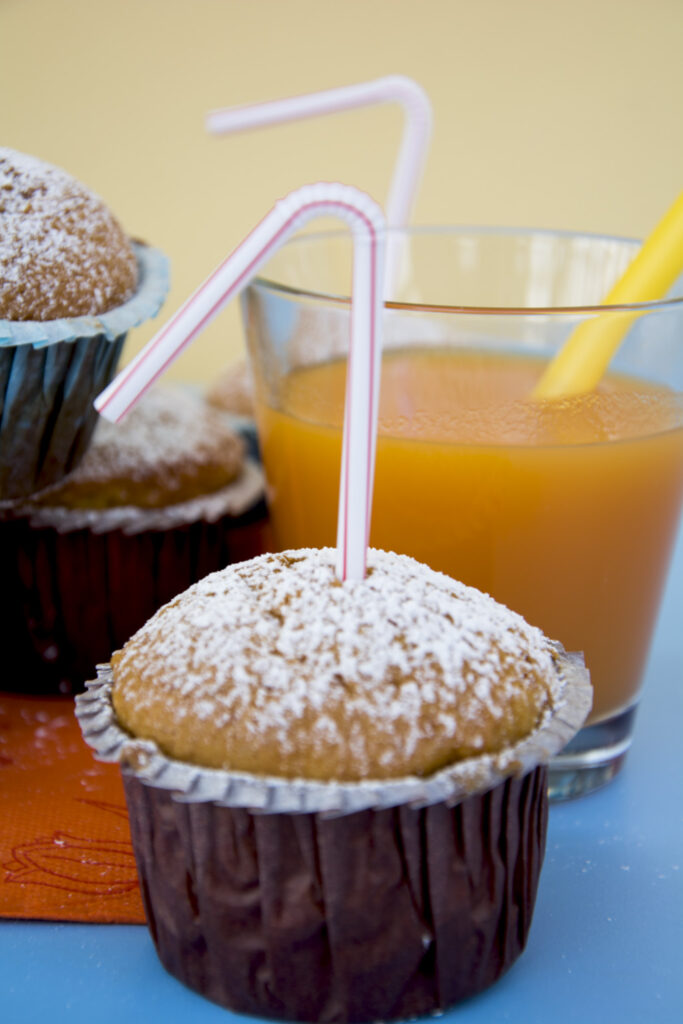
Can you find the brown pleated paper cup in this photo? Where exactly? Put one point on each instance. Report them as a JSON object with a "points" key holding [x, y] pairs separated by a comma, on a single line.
{"points": [[316, 901], [76, 584]]}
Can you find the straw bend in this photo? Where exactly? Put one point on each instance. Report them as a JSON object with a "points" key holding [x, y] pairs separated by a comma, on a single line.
{"points": [[412, 154], [366, 220]]}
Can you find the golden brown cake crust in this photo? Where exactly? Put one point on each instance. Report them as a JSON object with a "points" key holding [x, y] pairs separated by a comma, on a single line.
{"points": [[170, 448], [62, 253], [275, 667]]}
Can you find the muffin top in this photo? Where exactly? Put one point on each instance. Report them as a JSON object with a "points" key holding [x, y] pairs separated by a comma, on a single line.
{"points": [[171, 447], [275, 667], [62, 253], [233, 391]]}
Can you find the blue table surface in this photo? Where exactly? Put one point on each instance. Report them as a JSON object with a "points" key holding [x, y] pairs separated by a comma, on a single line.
{"points": [[606, 941]]}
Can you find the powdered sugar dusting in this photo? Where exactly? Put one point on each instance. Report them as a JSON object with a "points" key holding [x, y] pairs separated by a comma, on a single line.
{"points": [[391, 675], [62, 253], [166, 426], [170, 447]]}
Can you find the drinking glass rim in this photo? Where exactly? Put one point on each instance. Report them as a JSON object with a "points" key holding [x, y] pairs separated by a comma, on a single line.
{"points": [[651, 305]]}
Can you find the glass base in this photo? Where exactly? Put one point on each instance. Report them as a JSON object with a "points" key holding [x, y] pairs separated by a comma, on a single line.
{"points": [[593, 757]]}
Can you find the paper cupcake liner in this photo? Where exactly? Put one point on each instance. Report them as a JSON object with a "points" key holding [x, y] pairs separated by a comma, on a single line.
{"points": [[241, 789], [232, 500], [313, 901], [375, 916], [143, 305], [71, 593], [51, 371]]}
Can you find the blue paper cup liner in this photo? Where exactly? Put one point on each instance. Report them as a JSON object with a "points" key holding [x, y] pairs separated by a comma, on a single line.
{"points": [[50, 373]]}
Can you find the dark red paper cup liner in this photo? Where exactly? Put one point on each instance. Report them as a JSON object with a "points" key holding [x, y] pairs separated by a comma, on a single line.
{"points": [[378, 915], [69, 597]]}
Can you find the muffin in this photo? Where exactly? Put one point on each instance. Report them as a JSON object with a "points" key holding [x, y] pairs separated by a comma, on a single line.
{"points": [[233, 391], [71, 286], [157, 502], [169, 449], [233, 394], [337, 791]]}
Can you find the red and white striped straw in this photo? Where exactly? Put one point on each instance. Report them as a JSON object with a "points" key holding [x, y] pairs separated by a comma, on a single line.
{"points": [[366, 220], [412, 153]]}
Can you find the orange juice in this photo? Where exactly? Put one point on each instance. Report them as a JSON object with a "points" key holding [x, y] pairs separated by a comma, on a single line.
{"points": [[564, 511]]}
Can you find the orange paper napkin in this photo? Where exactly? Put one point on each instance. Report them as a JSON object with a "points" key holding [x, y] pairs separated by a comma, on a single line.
{"points": [[65, 849]]}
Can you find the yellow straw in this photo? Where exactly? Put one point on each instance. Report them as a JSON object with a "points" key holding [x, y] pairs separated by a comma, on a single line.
{"points": [[585, 356]]}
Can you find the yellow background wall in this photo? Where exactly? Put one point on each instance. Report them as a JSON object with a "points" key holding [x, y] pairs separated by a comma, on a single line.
{"points": [[550, 114]]}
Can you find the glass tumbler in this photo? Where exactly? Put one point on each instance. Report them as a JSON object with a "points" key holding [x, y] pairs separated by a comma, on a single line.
{"points": [[566, 510]]}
